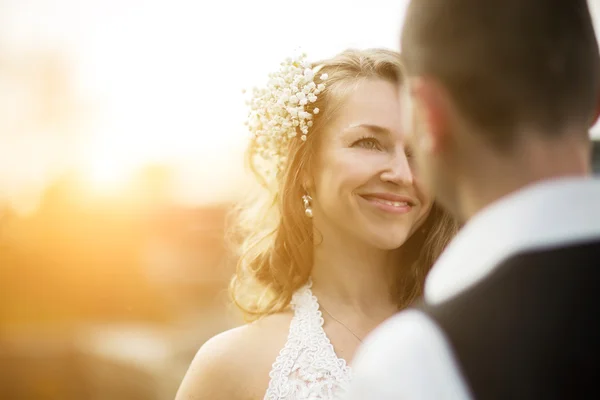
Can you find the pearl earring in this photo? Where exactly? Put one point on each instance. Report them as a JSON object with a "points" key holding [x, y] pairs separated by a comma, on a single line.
{"points": [[306, 199]]}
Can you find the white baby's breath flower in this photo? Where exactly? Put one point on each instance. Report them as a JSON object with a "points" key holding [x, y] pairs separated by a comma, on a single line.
{"points": [[278, 111], [303, 115]]}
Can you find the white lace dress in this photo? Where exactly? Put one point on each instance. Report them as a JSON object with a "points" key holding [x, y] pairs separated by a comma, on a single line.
{"points": [[307, 367]]}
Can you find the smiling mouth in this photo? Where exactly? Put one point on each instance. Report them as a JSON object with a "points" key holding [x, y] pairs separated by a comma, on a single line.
{"points": [[392, 206], [390, 203]]}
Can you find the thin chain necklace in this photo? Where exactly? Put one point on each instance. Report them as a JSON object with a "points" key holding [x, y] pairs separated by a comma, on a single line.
{"points": [[341, 323]]}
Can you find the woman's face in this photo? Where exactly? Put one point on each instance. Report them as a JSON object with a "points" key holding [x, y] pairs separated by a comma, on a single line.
{"points": [[365, 186]]}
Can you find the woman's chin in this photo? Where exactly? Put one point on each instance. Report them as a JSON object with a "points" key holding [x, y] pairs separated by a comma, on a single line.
{"points": [[389, 240]]}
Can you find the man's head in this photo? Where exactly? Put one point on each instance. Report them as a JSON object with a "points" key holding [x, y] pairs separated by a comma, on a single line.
{"points": [[486, 76]]}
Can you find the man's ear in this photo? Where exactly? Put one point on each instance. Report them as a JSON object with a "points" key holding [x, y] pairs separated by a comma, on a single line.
{"points": [[597, 114], [432, 113]]}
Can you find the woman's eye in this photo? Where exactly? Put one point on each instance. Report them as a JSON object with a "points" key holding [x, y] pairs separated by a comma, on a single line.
{"points": [[367, 143]]}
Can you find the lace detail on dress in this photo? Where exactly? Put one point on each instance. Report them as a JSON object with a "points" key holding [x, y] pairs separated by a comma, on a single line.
{"points": [[307, 368]]}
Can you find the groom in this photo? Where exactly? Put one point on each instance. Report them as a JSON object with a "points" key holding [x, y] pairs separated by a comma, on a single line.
{"points": [[502, 95]]}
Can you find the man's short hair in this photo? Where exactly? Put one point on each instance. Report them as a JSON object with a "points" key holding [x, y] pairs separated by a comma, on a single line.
{"points": [[508, 64]]}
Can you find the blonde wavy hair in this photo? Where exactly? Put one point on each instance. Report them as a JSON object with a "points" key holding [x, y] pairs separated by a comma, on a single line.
{"points": [[272, 236]]}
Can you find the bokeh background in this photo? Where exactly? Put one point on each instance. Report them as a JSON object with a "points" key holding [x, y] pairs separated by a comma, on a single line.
{"points": [[121, 141]]}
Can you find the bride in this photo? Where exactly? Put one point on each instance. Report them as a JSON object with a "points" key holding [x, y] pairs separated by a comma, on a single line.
{"points": [[338, 239]]}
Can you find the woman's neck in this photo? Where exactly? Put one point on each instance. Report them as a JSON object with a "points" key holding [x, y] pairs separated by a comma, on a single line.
{"points": [[355, 276]]}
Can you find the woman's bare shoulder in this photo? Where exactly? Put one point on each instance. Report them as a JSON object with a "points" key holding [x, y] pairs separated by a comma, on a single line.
{"points": [[235, 364]]}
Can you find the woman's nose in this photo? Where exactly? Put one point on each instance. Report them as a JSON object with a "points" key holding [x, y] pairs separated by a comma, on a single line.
{"points": [[398, 170]]}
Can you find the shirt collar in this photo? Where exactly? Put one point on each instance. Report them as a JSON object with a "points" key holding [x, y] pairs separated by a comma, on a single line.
{"points": [[543, 215]]}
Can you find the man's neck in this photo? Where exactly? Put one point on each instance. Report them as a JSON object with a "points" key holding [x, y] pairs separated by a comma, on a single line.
{"points": [[531, 162]]}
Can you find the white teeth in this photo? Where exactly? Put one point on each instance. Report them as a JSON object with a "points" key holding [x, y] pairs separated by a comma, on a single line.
{"points": [[395, 203]]}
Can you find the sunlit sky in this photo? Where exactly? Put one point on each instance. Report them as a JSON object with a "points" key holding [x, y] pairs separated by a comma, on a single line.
{"points": [[161, 81]]}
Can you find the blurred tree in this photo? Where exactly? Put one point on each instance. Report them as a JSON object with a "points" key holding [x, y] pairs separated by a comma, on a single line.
{"points": [[69, 262]]}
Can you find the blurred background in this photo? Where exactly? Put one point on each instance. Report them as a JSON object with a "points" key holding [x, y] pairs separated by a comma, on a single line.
{"points": [[121, 141]]}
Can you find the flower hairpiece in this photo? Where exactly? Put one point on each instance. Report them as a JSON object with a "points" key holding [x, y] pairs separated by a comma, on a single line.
{"points": [[281, 111]]}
